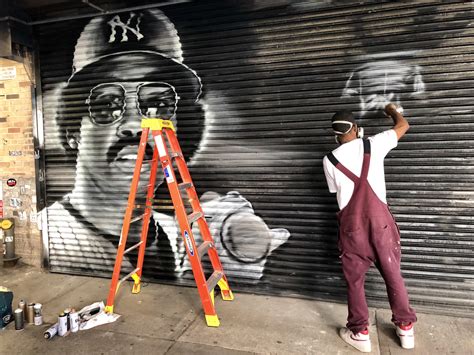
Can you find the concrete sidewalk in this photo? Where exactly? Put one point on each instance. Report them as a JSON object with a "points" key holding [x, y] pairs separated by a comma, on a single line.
{"points": [[164, 319]]}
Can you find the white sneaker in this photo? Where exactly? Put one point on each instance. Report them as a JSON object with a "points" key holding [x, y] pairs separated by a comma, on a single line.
{"points": [[360, 341], [407, 336]]}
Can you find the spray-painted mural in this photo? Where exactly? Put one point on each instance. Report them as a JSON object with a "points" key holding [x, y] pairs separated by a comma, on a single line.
{"points": [[383, 79], [133, 65], [251, 88]]}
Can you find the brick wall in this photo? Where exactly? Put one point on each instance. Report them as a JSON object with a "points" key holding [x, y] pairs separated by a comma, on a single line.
{"points": [[17, 159]]}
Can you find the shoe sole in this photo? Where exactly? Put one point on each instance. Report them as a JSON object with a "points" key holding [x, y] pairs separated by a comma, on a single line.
{"points": [[409, 342], [343, 337]]}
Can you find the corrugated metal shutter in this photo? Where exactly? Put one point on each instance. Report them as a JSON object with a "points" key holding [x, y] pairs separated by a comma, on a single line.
{"points": [[272, 78]]}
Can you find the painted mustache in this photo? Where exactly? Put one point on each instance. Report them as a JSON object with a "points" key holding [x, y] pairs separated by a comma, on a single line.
{"points": [[126, 149]]}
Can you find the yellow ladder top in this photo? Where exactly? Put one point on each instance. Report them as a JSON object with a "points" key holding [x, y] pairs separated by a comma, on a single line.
{"points": [[157, 124]]}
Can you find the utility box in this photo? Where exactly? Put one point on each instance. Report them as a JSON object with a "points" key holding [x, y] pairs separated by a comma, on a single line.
{"points": [[7, 225]]}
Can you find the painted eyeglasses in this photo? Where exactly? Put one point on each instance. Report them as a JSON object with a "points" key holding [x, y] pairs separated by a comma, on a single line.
{"points": [[107, 102]]}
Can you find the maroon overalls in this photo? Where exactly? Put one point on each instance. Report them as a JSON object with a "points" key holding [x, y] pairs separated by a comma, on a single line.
{"points": [[368, 234]]}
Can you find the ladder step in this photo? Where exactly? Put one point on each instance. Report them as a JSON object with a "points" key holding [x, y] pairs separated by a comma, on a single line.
{"points": [[128, 275], [155, 207], [193, 217], [185, 185], [213, 280], [132, 247], [137, 218], [176, 155], [203, 248], [149, 161]]}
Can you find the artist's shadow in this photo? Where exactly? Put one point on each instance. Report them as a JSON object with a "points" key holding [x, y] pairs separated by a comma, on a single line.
{"points": [[387, 332]]}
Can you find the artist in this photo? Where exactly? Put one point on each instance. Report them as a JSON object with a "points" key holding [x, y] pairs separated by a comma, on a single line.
{"points": [[368, 233]]}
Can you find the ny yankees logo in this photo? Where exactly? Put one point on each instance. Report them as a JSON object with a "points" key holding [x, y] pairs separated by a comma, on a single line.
{"points": [[116, 21]]}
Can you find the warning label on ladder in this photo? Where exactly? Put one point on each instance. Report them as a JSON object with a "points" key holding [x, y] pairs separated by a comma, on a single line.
{"points": [[189, 243], [168, 174]]}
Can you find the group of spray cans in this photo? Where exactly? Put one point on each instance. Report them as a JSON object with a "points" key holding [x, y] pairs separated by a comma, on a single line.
{"points": [[29, 313], [68, 322]]}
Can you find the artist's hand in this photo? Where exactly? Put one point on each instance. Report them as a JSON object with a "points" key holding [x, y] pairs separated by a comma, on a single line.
{"points": [[401, 125], [391, 109]]}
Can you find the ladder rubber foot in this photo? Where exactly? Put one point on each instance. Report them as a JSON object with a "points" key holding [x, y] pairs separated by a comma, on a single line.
{"points": [[109, 309], [212, 321], [227, 295], [136, 288]]}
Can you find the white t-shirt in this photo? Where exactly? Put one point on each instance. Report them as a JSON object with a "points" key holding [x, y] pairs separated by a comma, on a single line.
{"points": [[351, 155]]}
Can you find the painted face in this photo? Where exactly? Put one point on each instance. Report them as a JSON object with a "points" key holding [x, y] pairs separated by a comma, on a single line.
{"points": [[379, 82], [110, 134]]}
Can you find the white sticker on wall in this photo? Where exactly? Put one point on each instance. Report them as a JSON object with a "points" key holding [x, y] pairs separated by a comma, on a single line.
{"points": [[22, 215], [15, 203], [7, 73]]}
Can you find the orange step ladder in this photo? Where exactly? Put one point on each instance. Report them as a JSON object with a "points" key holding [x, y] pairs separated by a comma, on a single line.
{"points": [[163, 132]]}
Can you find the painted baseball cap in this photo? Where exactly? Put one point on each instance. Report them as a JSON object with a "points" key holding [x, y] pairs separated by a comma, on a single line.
{"points": [[143, 44]]}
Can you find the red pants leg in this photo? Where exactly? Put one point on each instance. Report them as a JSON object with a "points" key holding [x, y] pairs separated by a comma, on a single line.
{"points": [[354, 268], [388, 257]]}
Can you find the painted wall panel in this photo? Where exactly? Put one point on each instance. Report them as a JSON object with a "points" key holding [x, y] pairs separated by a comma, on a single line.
{"points": [[267, 79]]}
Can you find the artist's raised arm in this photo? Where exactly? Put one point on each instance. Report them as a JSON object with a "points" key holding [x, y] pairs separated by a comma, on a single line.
{"points": [[401, 124]]}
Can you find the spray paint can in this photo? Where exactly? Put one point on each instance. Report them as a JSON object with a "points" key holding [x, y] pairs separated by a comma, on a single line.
{"points": [[62, 324], [73, 321], [67, 311], [38, 316], [30, 313], [22, 306], [51, 332], [19, 322]]}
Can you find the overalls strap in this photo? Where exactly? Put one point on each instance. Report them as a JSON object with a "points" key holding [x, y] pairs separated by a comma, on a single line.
{"points": [[366, 162], [347, 172]]}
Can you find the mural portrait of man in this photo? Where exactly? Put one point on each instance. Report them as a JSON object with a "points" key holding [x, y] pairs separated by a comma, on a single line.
{"points": [[384, 77], [127, 67]]}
